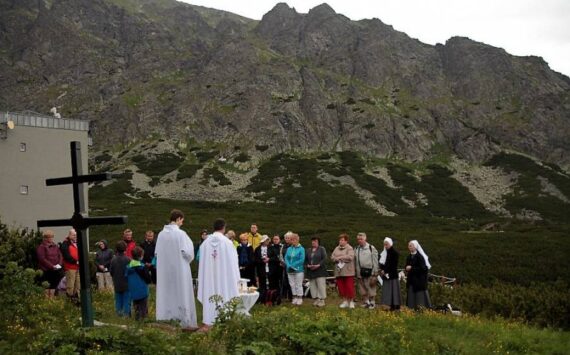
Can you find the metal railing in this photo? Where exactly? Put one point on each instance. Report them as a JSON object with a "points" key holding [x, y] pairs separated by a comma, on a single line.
{"points": [[43, 121]]}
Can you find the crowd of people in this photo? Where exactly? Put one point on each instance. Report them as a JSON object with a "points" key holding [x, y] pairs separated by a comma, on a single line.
{"points": [[285, 267], [279, 270]]}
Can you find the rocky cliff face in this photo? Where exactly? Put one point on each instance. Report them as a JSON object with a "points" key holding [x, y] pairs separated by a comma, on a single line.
{"points": [[291, 81]]}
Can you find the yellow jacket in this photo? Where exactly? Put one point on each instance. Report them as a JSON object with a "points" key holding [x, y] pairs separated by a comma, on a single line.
{"points": [[254, 240]]}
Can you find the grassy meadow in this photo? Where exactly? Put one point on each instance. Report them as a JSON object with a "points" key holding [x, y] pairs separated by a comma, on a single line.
{"points": [[514, 269], [283, 329], [456, 248], [513, 283]]}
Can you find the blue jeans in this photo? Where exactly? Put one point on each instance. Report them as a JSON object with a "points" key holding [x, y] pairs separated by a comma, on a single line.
{"points": [[123, 303]]}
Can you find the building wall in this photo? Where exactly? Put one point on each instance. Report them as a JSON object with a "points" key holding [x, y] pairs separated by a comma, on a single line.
{"points": [[47, 155]]}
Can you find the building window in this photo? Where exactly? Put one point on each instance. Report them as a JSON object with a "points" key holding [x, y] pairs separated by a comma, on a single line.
{"points": [[23, 147], [23, 189]]}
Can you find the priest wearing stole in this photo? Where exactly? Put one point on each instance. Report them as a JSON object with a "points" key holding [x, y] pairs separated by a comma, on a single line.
{"points": [[218, 273]]}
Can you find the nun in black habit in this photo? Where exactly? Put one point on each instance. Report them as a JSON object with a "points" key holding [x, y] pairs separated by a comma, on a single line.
{"points": [[417, 266]]}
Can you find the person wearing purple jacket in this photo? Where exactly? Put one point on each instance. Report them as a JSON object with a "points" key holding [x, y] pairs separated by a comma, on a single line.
{"points": [[50, 261]]}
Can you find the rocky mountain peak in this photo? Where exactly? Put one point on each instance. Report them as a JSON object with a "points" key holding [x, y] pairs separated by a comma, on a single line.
{"points": [[280, 26], [281, 11], [323, 9]]}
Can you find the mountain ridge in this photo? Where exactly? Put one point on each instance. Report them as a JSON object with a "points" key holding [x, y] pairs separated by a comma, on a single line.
{"points": [[294, 81]]}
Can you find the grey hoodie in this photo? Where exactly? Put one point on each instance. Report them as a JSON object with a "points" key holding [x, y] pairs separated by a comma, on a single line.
{"points": [[104, 256]]}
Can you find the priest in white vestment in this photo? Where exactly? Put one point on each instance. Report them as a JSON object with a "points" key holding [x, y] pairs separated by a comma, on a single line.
{"points": [[218, 273], [174, 288]]}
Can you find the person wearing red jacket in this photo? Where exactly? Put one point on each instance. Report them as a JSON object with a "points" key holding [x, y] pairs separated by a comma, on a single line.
{"points": [[131, 244], [49, 261], [70, 254]]}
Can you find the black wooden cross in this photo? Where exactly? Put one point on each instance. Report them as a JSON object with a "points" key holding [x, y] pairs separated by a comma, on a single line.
{"points": [[80, 222]]}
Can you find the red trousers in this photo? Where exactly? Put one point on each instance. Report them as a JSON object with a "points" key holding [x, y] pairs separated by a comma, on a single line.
{"points": [[345, 286]]}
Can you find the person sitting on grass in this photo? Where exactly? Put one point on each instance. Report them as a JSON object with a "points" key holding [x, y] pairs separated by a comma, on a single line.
{"points": [[120, 284], [138, 279]]}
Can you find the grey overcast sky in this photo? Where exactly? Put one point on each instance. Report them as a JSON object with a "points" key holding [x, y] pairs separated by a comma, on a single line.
{"points": [[522, 27]]}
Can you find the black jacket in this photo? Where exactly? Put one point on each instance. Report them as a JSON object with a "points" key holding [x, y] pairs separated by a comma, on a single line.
{"points": [[272, 254], [391, 265], [250, 258], [417, 276], [117, 270], [64, 247], [276, 248], [247, 268], [148, 251], [275, 261]]}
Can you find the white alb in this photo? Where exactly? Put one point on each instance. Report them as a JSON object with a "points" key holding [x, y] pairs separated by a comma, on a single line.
{"points": [[174, 289], [218, 274]]}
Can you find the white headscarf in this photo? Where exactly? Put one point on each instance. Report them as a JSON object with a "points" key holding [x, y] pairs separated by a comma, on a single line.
{"points": [[384, 253], [421, 251]]}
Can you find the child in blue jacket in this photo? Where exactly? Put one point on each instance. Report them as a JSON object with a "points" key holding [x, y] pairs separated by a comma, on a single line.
{"points": [[139, 278]]}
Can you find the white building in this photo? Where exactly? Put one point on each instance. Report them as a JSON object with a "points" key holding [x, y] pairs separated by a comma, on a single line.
{"points": [[34, 148]]}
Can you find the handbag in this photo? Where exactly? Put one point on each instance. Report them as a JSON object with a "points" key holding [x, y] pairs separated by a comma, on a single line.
{"points": [[364, 271]]}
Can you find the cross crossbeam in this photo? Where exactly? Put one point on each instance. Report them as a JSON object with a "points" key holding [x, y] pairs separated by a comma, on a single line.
{"points": [[79, 179], [81, 222]]}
